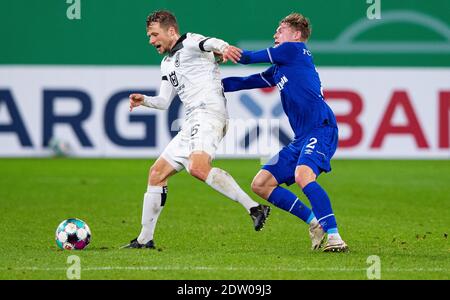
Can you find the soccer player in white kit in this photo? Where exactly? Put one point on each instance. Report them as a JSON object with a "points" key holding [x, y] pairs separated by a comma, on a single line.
{"points": [[190, 70]]}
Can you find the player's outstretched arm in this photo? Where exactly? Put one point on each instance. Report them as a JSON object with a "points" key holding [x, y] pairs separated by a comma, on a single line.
{"points": [[281, 54], [161, 101], [260, 80]]}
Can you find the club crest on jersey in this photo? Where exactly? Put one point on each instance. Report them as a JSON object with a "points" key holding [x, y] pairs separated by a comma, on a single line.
{"points": [[177, 59], [173, 78]]}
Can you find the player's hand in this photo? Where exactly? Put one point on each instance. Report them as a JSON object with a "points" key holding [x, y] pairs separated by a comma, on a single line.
{"points": [[231, 53], [136, 100]]}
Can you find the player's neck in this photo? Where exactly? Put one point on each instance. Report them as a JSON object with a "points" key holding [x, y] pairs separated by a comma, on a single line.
{"points": [[175, 39]]}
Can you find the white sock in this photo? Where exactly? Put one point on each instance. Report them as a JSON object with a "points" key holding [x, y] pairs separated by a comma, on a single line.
{"points": [[222, 182], [154, 200]]}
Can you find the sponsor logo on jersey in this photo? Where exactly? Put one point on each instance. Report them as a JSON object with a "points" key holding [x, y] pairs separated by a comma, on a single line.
{"points": [[282, 82], [173, 79], [177, 60]]}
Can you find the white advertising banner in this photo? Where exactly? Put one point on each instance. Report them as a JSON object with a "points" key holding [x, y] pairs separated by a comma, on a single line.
{"points": [[381, 112]]}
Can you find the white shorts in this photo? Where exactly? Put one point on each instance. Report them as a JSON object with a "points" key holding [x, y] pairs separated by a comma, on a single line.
{"points": [[202, 131]]}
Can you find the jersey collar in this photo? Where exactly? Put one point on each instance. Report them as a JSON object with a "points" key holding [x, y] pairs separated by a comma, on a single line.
{"points": [[178, 45]]}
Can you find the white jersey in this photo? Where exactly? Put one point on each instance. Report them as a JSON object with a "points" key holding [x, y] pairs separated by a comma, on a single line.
{"points": [[191, 69]]}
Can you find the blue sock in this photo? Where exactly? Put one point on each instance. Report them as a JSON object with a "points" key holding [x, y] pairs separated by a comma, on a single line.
{"points": [[321, 206], [288, 201]]}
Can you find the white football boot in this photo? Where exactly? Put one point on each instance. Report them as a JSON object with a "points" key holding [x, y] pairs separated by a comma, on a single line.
{"points": [[317, 235], [335, 244]]}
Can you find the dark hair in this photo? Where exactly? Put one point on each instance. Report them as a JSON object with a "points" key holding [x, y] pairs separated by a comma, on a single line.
{"points": [[165, 19], [298, 22]]}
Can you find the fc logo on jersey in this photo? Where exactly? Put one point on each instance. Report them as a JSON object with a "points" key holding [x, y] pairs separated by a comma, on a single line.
{"points": [[173, 79], [177, 60]]}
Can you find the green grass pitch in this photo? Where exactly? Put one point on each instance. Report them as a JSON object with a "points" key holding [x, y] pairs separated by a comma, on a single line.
{"points": [[397, 210]]}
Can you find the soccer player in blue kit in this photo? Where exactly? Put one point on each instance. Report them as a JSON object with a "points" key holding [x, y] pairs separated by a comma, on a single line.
{"points": [[314, 125]]}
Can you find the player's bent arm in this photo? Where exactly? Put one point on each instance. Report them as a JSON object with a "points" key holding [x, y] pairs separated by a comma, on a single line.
{"points": [[199, 42], [163, 100], [261, 80], [213, 44], [231, 84], [221, 49]]}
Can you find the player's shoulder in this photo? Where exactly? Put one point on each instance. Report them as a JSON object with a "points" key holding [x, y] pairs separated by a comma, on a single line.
{"points": [[164, 63], [192, 41], [293, 45], [164, 60], [195, 37], [297, 51]]}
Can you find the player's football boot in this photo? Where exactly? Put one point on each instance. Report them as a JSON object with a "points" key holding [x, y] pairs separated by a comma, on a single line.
{"points": [[317, 235], [259, 215], [136, 245], [335, 245]]}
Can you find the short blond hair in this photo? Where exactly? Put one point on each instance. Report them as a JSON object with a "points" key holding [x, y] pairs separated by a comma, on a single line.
{"points": [[165, 19], [300, 23]]}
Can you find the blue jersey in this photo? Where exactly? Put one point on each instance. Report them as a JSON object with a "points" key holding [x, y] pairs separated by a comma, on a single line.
{"points": [[295, 75]]}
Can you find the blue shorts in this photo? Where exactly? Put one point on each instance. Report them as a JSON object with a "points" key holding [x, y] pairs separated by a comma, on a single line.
{"points": [[315, 151]]}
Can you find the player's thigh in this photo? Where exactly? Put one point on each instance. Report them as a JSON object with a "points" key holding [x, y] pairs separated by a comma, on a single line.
{"points": [[318, 149], [282, 165], [176, 152]]}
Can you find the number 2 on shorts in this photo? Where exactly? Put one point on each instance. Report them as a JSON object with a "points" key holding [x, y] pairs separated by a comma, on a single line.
{"points": [[312, 143]]}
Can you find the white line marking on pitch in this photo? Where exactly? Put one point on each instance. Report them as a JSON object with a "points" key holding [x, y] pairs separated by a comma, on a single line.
{"points": [[201, 268]]}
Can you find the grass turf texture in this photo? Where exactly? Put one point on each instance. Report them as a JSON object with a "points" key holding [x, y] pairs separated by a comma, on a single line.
{"points": [[397, 210]]}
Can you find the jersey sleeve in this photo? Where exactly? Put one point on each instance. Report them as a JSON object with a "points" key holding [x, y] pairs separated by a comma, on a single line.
{"points": [[163, 69], [166, 92], [199, 42], [260, 80], [163, 99], [280, 55]]}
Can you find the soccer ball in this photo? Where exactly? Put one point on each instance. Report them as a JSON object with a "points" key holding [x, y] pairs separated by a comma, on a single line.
{"points": [[73, 234], [59, 147]]}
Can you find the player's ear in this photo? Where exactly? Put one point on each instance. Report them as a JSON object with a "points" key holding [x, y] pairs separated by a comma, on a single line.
{"points": [[171, 31], [298, 35]]}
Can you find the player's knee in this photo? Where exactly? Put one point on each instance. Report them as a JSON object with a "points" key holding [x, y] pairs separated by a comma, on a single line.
{"points": [[258, 186], [304, 176], [262, 187], [302, 181], [198, 172], [199, 165], [155, 176]]}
